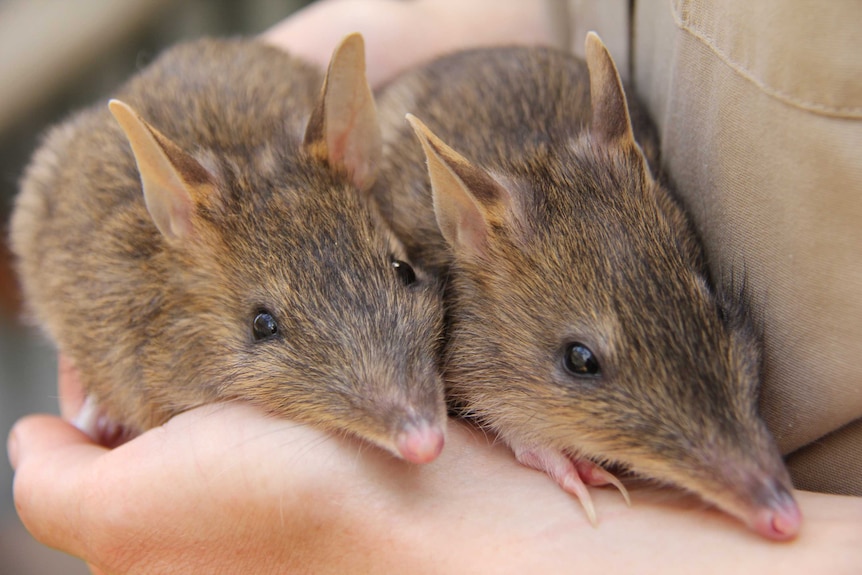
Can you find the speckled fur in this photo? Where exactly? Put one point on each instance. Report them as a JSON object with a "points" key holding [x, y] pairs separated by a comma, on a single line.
{"points": [[156, 328], [592, 249]]}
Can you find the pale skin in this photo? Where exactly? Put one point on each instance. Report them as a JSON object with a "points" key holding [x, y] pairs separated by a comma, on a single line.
{"points": [[227, 489]]}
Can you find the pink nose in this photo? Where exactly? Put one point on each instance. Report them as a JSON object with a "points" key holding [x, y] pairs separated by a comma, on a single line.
{"points": [[780, 521], [420, 443]]}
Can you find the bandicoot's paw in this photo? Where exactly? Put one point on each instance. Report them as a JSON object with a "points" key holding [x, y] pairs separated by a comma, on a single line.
{"points": [[593, 474], [572, 474]]}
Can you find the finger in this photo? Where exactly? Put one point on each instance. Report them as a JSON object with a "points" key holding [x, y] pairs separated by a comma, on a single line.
{"points": [[51, 460], [70, 388]]}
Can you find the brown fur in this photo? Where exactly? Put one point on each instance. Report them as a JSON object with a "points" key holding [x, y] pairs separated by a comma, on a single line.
{"points": [[582, 244], [158, 325]]}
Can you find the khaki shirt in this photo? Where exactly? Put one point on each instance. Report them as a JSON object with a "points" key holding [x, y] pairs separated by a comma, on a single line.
{"points": [[759, 108]]}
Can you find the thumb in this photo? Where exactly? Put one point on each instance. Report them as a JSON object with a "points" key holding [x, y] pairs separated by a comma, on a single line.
{"points": [[51, 459]]}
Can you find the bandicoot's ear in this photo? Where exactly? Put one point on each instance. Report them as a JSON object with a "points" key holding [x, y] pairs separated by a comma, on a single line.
{"points": [[172, 180], [343, 128], [468, 202], [611, 123]]}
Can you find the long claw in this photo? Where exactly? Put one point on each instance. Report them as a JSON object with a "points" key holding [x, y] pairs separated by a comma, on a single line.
{"points": [[573, 484], [562, 470], [593, 474]]}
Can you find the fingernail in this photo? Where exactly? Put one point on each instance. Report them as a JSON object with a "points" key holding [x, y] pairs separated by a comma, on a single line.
{"points": [[12, 449]]}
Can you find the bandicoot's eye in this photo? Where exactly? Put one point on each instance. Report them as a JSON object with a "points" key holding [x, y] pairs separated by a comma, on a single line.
{"points": [[404, 271], [579, 360], [264, 325]]}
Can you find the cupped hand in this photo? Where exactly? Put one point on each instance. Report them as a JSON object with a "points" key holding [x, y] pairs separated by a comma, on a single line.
{"points": [[227, 489]]}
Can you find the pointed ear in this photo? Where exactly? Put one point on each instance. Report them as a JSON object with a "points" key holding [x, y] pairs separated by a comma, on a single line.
{"points": [[467, 200], [343, 129], [171, 178], [611, 123]]}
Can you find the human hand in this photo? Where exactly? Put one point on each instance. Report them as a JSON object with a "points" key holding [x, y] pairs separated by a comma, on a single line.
{"points": [[402, 34], [225, 488]]}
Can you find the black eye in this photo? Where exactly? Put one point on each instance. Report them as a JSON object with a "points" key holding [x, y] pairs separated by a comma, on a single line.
{"points": [[404, 271], [580, 360], [264, 325]]}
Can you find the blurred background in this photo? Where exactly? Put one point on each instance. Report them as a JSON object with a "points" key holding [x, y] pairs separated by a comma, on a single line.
{"points": [[56, 56]]}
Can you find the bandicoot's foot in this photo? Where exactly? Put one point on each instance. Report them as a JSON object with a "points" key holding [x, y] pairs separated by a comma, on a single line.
{"points": [[593, 474], [572, 474]]}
